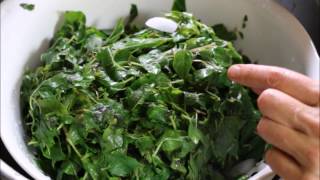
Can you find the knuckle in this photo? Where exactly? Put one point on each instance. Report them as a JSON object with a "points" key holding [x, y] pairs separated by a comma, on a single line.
{"points": [[313, 126], [265, 97], [308, 176], [245, 73], [275, 77], [315, 122], [298, 114], [312, 155], [310, 118], [315, 92]]}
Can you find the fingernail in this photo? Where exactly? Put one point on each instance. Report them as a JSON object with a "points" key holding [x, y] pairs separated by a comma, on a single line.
{"points": [[234, 72]]}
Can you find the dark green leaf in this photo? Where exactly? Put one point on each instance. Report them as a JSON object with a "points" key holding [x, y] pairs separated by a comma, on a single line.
{"points": [[132, 103], [223, 33], [27, 6], [121, 165], [117, 32], [179, 5], [182, 63], [171, 140], [152, 61], [194, 133], [133, 14], [113, 69], [158, 114], [113, 139], [227, 138], [52, 105], [69, 167], [145, 143], [76, 134], [72, 17], [90, 167], [177, 165]]}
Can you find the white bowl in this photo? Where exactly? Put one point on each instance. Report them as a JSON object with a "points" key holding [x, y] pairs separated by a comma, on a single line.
{"points": [[272, 36]]}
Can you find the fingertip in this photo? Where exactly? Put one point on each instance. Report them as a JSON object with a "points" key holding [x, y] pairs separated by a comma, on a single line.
{"points": [[234, 72]]}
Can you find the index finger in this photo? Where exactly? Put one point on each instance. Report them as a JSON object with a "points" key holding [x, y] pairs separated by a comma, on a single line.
{"points": [[263, 77]]}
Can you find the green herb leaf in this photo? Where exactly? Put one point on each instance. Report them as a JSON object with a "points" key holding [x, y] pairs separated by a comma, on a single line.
{"points": [[27, 6], [223, 33], [136, 103], [121, 165], [179, 5], [116, 33], [194, 133], [182, 63], [133, 13]]}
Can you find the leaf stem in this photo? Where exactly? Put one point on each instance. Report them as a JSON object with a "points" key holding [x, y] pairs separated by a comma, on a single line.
{"points": [[178, 81], [173, 122], [71, 144], [161, 143]]}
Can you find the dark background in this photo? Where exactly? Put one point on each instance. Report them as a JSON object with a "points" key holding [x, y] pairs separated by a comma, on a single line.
{"points": [[307, 12]]}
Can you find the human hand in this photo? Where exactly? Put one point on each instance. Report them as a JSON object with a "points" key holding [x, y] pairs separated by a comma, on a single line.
{"points": [[289, 103]]}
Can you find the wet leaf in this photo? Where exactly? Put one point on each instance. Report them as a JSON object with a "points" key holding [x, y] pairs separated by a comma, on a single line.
{"points": [[131, 103], [182, 63]]}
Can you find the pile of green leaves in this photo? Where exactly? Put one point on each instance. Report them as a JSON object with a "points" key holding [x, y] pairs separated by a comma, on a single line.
{"points": [[137, 103]]}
